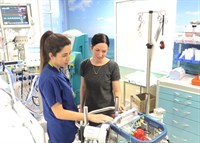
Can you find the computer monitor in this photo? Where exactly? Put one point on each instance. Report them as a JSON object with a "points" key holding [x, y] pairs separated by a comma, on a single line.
{"points": [[15, 15]]}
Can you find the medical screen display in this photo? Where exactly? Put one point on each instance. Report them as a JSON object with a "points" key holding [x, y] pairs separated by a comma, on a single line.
{"points": [[15, 15]]}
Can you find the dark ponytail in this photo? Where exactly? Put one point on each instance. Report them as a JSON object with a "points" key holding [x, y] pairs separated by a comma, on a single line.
{"points": [[44, 58], [51, 43]]}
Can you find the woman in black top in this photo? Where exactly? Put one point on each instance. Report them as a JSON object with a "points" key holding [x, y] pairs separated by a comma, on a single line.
{"points": [[100, 77]]}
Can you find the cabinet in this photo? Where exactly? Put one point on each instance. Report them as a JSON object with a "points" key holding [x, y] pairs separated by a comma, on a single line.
{"points": [[181, 100]]}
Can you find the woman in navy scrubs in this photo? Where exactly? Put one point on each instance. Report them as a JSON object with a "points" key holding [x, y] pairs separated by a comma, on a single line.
{"points": [[59, 108]]}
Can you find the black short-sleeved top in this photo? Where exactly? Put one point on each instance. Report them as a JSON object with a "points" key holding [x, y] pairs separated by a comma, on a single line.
{"points": [[98, 79]]}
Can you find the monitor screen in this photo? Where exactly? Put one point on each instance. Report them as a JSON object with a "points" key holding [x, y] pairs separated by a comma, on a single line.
{"points": [[15, 15]]}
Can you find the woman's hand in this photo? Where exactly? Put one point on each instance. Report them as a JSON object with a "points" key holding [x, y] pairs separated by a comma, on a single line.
{"points": [[122, 108], [99, 118], [81, 109]]}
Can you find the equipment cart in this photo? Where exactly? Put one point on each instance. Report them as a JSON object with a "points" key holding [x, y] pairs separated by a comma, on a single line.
{"points": [[127, 127]]}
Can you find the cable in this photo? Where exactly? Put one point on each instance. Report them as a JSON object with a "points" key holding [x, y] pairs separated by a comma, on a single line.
{"points": [[9, 72], [33, 90], [34, 102]]}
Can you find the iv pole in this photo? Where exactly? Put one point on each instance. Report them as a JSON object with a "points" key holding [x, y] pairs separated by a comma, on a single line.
{"points": [[149, 56]]}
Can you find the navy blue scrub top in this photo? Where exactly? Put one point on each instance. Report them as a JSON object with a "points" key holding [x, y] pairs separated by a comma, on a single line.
{"points": [[55, 87]]}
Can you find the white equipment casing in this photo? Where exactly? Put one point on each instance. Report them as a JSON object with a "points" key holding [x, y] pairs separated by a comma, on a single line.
{"points": [[94, 133]]}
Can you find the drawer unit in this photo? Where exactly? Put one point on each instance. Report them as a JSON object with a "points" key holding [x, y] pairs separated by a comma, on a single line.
{"points": [[178, 94], [181, 100], [182, 111], [182, 123], [180, 136]]}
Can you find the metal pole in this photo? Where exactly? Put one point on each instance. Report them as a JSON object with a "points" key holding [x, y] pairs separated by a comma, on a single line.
{"points": [[149, 54], [131, 102], [85, 115], [116, 105], [124, 94]]}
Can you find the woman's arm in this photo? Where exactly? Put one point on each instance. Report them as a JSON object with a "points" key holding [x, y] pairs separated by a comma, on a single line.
{"points": [[82, 94], [117, 93], [64, 114]]}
